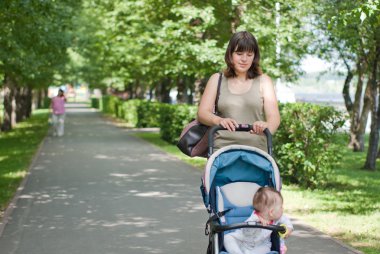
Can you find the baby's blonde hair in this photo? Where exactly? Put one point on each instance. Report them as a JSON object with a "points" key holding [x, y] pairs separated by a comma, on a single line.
{"points": [[266, 198]]}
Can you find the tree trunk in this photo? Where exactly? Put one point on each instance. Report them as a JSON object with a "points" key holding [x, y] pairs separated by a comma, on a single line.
{"points": [[370, 163], [182, 90], [28, 101], [359, 115], [163, 91], [346, 92], [140, 90], [197, 91], [8, 97], [151, 94], [19, 104], [236, 19], [39, 98]]}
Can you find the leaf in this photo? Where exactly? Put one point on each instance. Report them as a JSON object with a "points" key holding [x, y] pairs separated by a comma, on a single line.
{"points": [[363, 16]]}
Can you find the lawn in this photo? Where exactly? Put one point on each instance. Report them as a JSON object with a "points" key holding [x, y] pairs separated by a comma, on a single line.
{"points": [[349, 209], [16, 152]]}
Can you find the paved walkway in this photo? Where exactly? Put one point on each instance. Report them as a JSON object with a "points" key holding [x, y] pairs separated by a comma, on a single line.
{"points": [[100, 190]]}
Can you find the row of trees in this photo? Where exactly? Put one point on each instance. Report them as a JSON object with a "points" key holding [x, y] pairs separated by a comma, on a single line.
{"points": [[152, 46], [157, 45], [34, 37]]}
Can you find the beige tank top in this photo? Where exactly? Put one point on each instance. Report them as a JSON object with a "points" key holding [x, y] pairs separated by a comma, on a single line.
{"points": [[245, 108]]}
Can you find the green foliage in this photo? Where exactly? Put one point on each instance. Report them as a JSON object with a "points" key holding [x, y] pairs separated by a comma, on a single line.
{"points": [[304, 149], [148, 114], [172, 120], [140, 113], [34, 38], [110, 105], [128, 111], [138, 44], [95, 103]]}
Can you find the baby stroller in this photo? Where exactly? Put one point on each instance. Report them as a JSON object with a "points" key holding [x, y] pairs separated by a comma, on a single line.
{"points": [[232, 176]]}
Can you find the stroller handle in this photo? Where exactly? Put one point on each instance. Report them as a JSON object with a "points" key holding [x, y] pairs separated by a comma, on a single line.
{"points": [[221, 228], [241, 127]]}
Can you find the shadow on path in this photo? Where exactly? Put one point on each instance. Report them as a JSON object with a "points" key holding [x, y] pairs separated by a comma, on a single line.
{"points": [[100, 190]]}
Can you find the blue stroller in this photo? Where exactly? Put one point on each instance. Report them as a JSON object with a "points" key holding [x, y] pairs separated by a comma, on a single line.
{"points": [[231, 177]]}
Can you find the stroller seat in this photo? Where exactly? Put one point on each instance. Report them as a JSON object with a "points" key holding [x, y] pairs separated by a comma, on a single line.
{"points": [[237, 198]]}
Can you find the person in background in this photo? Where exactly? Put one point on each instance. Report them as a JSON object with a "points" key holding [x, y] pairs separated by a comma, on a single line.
{"points": [[58, 113], [247, 96]]}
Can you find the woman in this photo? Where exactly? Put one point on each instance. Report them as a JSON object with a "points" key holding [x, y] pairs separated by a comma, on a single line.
{"points": [[246, 96], [58, 113]]}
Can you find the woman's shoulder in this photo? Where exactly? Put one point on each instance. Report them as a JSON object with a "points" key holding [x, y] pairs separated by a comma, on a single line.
{"points": [[214, 78], [265, 78]]}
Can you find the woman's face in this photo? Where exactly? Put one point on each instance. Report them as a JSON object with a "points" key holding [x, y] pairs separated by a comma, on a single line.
{"points": [[242, 61]]}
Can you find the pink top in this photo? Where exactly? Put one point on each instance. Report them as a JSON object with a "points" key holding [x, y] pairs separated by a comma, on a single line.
{"points": [[58, 105]]}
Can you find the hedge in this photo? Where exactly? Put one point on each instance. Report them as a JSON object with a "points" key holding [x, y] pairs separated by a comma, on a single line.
{"points": [[302, 144]]}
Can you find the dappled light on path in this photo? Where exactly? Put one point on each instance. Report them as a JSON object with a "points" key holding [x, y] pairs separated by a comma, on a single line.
{"points": [[99, 185], [100, 190]]}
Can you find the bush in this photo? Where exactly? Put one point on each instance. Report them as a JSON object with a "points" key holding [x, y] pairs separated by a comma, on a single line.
{"points": [[172, 120], [130, 108], [110, 105], [303, 147], [148, 114], [95, 103]]}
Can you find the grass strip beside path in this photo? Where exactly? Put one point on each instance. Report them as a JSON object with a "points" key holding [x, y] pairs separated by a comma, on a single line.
{"points": [[348, 209], [17, 149]]}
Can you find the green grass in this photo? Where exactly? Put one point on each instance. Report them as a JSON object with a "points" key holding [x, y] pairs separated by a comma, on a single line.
{"points": [[155, 139], [348, 209], [17, 148]]}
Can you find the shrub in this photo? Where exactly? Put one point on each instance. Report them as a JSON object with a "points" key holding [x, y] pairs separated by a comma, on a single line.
{"points": [[129, 108], [110, 105], [303, 147], [148, 114], [172, 120], [95, 103]]}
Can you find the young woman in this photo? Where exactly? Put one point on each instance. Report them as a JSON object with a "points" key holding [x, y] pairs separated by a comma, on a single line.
{"points": [[58, 113], [247, 96]]}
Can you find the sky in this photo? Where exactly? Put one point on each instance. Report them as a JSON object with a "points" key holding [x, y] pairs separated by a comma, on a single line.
{"points": [[314, 64]]}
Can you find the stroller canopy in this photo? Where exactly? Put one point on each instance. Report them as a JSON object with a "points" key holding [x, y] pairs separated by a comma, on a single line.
{"points": [[239, 163]]}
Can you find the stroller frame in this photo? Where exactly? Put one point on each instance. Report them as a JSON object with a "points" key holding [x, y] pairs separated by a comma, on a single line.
{"points": [[214, 229]]}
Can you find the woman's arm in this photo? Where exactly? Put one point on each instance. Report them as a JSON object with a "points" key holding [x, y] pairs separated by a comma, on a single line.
{"points": [[272, 113], [206, 106]]}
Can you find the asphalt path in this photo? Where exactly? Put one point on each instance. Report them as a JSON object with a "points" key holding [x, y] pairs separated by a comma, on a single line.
{"points": [[101, 190]]}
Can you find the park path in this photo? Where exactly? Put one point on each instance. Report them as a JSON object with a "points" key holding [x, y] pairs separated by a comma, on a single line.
{"points": [[100, 190]]}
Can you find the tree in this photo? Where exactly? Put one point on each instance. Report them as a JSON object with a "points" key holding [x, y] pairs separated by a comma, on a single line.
{"points": [[353, 34], [28, 58]]}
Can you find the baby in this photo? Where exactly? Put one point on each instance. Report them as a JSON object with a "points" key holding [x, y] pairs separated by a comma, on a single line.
{"points": [[268, 209]]}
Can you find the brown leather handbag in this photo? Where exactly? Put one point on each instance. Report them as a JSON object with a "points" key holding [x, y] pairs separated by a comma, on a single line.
{"points": [[193, 140]]}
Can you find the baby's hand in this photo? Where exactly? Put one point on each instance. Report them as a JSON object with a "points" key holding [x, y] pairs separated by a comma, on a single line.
{"points": [[288, 232], [264, 221]]}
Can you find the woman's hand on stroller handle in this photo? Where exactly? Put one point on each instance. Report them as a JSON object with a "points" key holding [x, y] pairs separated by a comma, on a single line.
{"points": [[240, 127]]}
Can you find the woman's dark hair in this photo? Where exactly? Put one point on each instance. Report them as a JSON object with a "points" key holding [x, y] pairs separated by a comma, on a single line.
{"points": [[243, 42]]}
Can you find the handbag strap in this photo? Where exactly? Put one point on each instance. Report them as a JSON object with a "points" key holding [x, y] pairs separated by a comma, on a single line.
{"points": [[218, 93]]}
